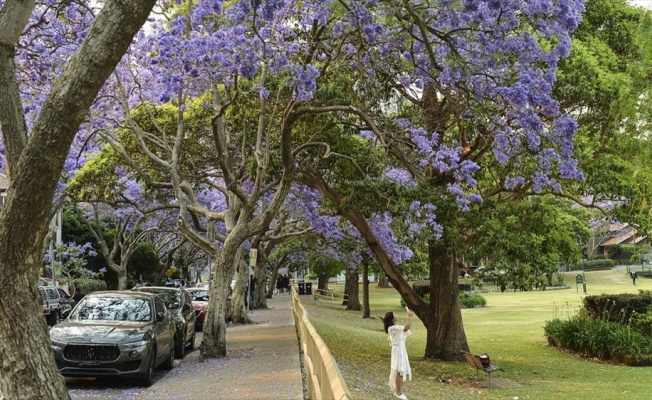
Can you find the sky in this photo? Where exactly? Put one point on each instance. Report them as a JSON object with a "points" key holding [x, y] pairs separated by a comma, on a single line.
{"points": [[642, 3]]}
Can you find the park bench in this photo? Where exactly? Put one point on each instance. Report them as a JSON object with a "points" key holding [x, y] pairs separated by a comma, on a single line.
{"points": [[474, 361]]}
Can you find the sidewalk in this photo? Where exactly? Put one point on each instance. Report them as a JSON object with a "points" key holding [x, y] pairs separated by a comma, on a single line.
{"points": [[262, 362]]}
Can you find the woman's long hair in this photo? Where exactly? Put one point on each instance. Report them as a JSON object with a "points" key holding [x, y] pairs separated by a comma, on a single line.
{"points": [[388, 320]]}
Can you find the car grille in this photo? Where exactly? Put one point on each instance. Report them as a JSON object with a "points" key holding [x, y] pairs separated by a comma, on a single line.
{"points": [[67, 366], [85, 352]]}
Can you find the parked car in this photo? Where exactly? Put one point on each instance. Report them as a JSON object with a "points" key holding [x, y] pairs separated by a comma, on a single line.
{"points": [[175, 283], [66, 302], [199, 298], [51, 304], [115, 333], [179, 304]]}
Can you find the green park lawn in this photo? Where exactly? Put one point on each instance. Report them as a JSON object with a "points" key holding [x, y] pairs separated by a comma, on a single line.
{"points": [[509, 329]]}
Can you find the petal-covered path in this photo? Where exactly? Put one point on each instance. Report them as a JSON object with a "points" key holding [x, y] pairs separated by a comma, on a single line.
{"points": [[262, 362]]}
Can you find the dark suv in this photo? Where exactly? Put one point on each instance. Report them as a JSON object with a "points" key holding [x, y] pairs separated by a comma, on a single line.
{"points": [[66, 301], [178, 303]]}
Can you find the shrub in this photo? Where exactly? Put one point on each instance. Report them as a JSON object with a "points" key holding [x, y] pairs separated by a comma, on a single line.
{"points": [[468, 300], [618, 307], [558, 280], [642, 323], [597, 338], [88, 285], [310, 276], [593, 265]]}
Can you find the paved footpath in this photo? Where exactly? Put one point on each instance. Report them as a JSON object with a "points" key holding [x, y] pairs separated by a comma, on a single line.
{"points": [[262, 362]]}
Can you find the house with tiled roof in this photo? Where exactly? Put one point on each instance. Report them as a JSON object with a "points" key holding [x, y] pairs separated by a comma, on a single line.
{"points": [[617, 243]]}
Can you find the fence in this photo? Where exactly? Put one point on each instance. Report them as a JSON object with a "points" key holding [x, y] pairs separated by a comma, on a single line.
{"points": [[329, 295], [323, 376]]}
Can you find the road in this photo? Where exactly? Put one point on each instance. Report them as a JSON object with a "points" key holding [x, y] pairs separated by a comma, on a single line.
{"points": [[115, 389]]}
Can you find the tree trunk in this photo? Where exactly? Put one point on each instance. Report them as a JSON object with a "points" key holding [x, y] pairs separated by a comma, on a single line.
{"points": [[366, 311], [353, 291], [122, 276], [214, 335], [322, 281], [25, 345], [445, 329], [272, 281], [382, 281], [261, 279], [239, 293], [27, 368], [442, 318]]}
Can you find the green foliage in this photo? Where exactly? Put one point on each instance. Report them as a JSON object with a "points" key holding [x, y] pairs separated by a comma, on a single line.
{"points": [[523, 243], [558, 280], [310, 276], [597, 338], [618, 307], [593, 265], [466, 300], [607, 77], [88, 285], [615, 327], [144, 262], [471, 300], [642, 323]]}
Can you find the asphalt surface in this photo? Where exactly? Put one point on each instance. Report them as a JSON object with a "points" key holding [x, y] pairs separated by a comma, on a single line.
{"points": [[262, 362]]}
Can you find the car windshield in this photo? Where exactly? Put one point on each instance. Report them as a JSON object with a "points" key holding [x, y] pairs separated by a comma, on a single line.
{"points": [[171, 298], [110, 308], [199, 295]]}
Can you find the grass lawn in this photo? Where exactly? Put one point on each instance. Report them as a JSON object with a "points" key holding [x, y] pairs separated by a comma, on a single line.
{"points": [[509, 329]]}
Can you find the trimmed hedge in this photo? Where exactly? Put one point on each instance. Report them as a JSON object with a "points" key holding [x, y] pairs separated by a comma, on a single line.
{"points": [[87, 285], [618, 307], [594, 265]]}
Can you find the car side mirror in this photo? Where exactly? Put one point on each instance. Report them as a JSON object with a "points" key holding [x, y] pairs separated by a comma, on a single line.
{"points": [[160, 316]]}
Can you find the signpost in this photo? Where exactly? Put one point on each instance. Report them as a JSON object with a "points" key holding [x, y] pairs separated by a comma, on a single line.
{"points": [[579, 279]]}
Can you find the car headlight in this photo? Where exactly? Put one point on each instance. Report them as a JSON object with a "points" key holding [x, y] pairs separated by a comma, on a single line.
{"points": [[139, 343], [57, 344]]}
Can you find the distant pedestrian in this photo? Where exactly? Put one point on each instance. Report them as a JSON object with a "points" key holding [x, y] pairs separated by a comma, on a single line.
{"points": [[286, 284], [400, 363], [251, 291], [634, 277], [279, 284]]}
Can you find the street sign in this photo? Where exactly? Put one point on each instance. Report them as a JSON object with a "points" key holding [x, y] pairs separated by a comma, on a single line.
{"points": [[253, 254]]}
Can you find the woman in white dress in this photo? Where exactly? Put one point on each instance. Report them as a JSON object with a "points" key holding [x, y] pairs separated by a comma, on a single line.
{"points": [[400, 365]]}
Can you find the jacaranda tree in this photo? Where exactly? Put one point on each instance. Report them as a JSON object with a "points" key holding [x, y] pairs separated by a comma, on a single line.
{"points": [[38, 130], [457, 94]]}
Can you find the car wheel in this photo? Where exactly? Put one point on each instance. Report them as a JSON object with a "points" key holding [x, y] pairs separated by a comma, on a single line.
{"points": [[148, 376], [179, 345], [191, 345], [169, 362], [54, 318]]}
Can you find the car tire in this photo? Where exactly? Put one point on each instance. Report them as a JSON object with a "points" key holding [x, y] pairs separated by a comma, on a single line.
{"points": [[179, 346], [191, 345], [54, 318], [169, 362], [148, 376]]}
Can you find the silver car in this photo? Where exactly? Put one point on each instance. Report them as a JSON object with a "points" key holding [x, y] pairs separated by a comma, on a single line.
{"points": [[115, 333]]}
